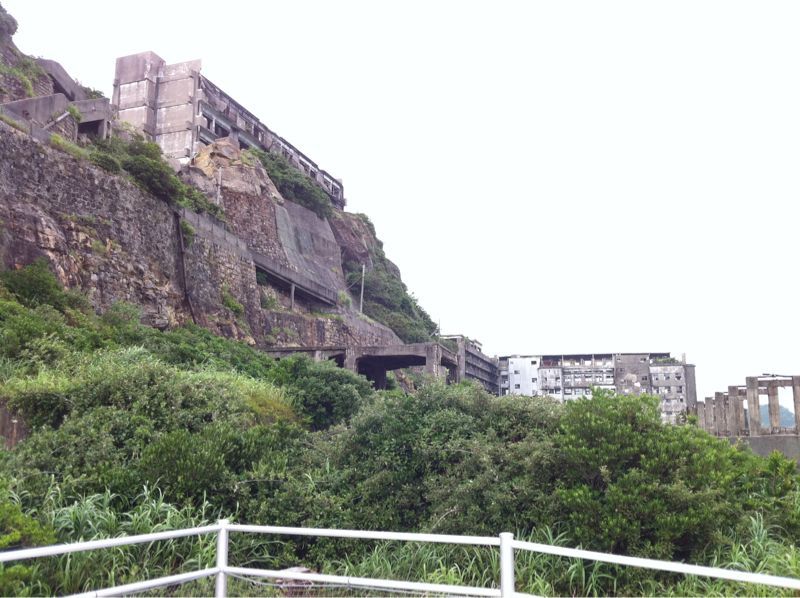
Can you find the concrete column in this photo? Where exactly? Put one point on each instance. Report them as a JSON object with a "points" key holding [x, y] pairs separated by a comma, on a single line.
{"points": [[740, 400], [735, 424], [796, 393], [433, 358], [292, 295], [719, 414], [774, 408], [753, 406], [710, 415], [701, 415], [731, 426], [350, 361]]}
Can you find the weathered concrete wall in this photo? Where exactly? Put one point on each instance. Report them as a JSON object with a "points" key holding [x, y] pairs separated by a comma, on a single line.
{"points": [[101, 233], [788, 445], [106, 237]]}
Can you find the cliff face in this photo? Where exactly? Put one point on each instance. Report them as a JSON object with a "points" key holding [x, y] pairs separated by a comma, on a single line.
{"points": [[105, 236], [20, 76]]}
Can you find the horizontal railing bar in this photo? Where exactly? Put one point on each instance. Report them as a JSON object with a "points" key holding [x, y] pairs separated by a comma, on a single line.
{"points": [[633, 561], [57, 549], [366, 535], [159, 582], [365, 582]]}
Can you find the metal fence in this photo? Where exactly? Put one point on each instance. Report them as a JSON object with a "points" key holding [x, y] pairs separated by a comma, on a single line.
{"points": [[505, 542]]}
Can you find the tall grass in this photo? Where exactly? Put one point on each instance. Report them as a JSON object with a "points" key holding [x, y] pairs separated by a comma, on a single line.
{"points": [[758, 551], [96, 517]]}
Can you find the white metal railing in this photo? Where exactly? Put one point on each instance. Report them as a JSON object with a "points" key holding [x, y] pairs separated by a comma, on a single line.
{"points": [[505, 542]]}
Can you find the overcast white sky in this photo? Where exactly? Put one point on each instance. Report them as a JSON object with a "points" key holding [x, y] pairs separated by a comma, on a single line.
{"points": [[550, 177]]}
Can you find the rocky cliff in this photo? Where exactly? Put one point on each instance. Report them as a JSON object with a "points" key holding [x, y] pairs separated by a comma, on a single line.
{"points": [[104, 235], [270, 271]]}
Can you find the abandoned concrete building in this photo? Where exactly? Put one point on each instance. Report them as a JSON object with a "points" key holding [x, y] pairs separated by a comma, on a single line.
{"points": [[473, 364], [572, 376], [59, 104], [737, 414], [181, 110]]}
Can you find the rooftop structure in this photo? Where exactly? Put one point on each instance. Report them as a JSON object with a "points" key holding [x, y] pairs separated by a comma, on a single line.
{"points": [[181, 110]]}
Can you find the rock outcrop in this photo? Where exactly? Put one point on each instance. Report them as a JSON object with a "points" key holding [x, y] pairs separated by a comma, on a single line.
{"points": [[105, 236]]}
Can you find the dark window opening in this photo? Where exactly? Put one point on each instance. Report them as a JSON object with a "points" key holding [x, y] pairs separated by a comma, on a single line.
{"points": [[91, 129]]}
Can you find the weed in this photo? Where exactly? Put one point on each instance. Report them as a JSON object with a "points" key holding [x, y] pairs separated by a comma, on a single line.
{"points": [[12, 122], [58, 142], [230, 302], [188, 232]]}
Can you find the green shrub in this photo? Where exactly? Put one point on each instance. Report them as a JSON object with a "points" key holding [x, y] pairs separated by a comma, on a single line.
{"points": [[188, 467], [188, 232], [26, 71], [35, 285], [327, 395], [105, 161], [230, 302], [387, 300], [155, 176], [293, 184], [344, 299], [74, 113], [58, 142], [13, 122], [148, 149]]}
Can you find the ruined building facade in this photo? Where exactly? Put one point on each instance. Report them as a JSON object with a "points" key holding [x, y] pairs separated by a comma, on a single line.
{"points": [[473, 364], [181, 110], [572, 376]]}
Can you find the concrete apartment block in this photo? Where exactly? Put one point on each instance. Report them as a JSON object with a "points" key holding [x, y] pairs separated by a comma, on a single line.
{"points": [[181, 110], [573, 376]]}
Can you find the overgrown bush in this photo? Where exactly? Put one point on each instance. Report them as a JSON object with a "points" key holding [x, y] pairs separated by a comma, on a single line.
{"points": [[223, 430], [105, 161], [146, 165], [293, 184], [387, 300], [58, 142], [326, 394]]}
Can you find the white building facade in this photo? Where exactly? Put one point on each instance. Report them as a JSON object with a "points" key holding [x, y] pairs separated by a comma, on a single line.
{"points": [[567, 377]]}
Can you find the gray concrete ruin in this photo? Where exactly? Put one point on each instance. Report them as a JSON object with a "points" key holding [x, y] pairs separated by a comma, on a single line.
{"points": [[375, 362], [50, 113], [181, 110], [736, 414]]}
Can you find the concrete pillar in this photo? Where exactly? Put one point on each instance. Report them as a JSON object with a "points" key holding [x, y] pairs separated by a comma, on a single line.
{"points": [[433, 358], [740, 400], [377, 375], [729, 402], [735, 423], [292, 295], [701, 416], [796, 394], [350, 360], [710, 415], [753, 406], [774, 408], [719, 414]]}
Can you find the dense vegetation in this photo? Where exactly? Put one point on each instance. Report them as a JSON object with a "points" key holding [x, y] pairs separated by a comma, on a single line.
{"points": [[386, 297], [293, 184], [143, 162], [134, 430]]}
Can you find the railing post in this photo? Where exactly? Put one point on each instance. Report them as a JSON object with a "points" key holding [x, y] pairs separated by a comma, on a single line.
{"points": [[506, 565], [222, 558]]}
